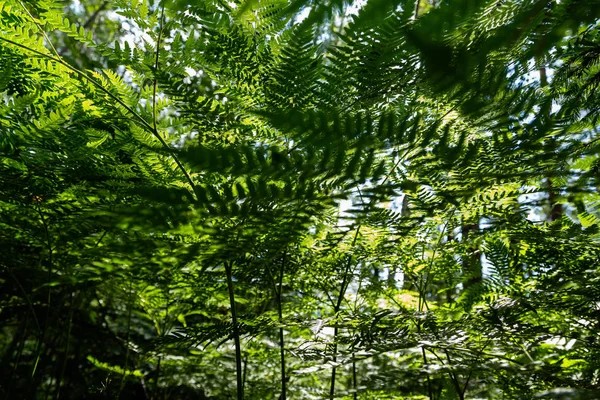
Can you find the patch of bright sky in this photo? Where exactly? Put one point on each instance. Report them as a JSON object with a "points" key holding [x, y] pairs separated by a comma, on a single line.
{"points": [[353, 9], [76, 6]]}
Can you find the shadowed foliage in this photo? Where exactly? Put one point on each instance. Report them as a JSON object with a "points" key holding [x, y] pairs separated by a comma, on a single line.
{"points": [[291, 199]]}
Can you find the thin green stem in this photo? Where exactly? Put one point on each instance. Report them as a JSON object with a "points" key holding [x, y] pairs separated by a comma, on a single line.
{"points": [[26, 296], [49, 298], [466, 385], [281, 338], [354, 384], [39, 28], [422, 301], [277, 288], [429, 388], [155, 80], [66, 357], [451, 372], [155, 387], [161, 331], [338, 305], [129, 308], [236, 332], [21, 344], [130, 110], [354, 375]]}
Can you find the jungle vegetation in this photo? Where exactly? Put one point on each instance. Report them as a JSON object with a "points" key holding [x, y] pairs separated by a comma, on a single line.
{"points": [[299, 199]]}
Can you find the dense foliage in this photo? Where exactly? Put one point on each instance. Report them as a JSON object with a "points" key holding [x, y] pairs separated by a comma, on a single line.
{"points": [[269, 199]]}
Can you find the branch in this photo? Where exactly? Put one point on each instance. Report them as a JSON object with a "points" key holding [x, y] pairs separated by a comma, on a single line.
{"points": [[93, 17], [85, 76]]}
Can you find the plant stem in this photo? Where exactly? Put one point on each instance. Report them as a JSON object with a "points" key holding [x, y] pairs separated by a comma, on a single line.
{"points": [[129, 307], [556, 208], [48, 308], [355, 394], [162, 331], [336, 309], [66, 358], [22, 334], [155, 388], [130, 110], [93, 17], [281, 340], [236, 333], [155, 80], [429, 389]]}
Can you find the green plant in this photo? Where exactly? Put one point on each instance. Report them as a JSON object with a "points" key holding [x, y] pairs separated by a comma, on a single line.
{"points": [[284, 199]]}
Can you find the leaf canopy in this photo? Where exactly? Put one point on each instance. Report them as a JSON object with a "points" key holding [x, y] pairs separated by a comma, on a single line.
{"points": [[299, 199]]}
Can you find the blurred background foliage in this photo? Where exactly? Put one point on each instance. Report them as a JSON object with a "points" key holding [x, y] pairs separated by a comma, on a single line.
{"points": [[297, 199]]}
